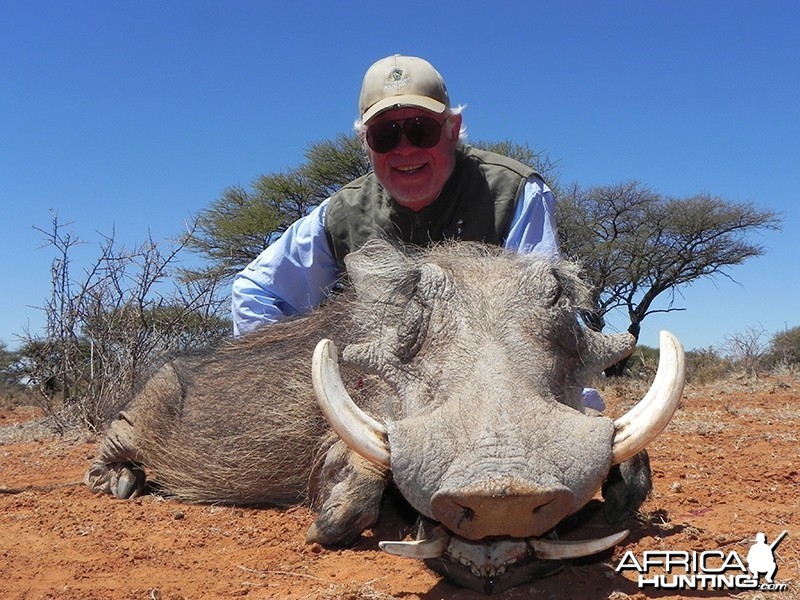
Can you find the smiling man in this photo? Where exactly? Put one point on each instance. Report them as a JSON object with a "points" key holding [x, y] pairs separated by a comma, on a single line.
{"points": [[426, 186]]}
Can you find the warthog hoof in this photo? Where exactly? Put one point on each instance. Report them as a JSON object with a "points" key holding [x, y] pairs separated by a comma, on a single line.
{"points": [[122, 480], [349, 500], [627, 487]]}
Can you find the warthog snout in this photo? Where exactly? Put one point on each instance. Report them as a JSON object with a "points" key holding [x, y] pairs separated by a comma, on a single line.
{"points": [[495, 508]]}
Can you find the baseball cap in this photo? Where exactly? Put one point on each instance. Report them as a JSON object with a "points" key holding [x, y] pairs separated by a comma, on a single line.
{"points": [[399, 81]]}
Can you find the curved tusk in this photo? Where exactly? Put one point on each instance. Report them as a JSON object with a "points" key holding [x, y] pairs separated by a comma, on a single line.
{"points": [[363, 434], [641, 424], [419, 549], [564, 550]]}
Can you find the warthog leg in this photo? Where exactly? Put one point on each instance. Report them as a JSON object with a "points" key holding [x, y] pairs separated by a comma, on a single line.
{"points": [[628, 484], [115, 470], [346, 491]]}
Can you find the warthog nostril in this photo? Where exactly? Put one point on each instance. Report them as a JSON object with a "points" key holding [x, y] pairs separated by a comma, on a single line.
{"points": [[467, 515], [541, 507]]}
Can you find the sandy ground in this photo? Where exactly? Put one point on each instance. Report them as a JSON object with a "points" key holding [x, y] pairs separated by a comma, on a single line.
{"points": [[725, 469]]}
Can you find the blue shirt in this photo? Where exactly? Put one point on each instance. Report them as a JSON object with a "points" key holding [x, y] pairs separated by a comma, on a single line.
{"points": [[296, 272]]}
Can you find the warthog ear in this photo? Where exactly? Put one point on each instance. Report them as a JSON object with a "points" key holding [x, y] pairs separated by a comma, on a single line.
{"points": [[378, 269], [561, 284], [555, 281]]}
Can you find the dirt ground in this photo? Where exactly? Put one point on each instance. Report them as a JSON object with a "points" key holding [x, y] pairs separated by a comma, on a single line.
{"points": [[725, 469]]}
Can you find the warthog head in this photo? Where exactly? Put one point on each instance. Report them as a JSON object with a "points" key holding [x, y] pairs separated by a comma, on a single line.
{"points": [[486, 435]]}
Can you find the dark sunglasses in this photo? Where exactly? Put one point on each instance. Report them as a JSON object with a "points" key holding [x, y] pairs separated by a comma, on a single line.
{"points": [[423, 132]]}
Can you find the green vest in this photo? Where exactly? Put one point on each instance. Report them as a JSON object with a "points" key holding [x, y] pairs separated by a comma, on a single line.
{"points": [[475, 204]]}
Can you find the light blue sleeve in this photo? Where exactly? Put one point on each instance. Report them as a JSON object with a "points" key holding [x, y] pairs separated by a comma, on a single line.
{"points": [[533, 224], [292, 276]]}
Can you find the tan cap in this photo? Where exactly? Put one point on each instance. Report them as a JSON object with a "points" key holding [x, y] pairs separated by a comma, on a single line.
{"points": [[398, 81]]}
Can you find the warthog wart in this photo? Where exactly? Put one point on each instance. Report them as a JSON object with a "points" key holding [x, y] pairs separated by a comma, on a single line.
{"points": [[460, 388]]}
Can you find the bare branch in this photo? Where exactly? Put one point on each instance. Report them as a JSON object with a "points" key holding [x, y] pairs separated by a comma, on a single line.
{"points": [[107, 327]]}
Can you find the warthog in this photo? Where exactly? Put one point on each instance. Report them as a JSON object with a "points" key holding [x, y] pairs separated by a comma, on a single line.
{"points": [[464, 365]]}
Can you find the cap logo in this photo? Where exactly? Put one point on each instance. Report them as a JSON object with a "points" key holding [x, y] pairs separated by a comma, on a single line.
{"points": [[396, 79]]}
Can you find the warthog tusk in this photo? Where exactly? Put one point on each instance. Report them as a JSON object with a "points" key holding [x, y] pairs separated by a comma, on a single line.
{"points": [[564, 550], [419, 549], [543, 548], [645, 421], [357, 429]]}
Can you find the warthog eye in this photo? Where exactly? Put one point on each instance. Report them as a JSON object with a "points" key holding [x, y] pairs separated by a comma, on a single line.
{"points": [[412, 329]]}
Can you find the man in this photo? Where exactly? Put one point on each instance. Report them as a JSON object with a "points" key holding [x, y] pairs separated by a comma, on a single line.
{"points": [[424, 187]]}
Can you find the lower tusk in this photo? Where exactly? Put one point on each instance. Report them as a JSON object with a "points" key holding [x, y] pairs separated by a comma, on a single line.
{"points": [[419, 549], [564, 550], [363, 434]]}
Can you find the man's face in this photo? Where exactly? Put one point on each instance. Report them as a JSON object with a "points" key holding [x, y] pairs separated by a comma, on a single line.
{"points": [[414, 176]]}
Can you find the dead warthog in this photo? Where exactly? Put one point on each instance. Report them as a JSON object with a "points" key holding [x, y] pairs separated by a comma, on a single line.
{"points": [[464, 366]]}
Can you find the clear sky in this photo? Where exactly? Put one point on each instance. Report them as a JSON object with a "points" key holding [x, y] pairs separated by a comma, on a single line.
{"points": [[131, 116]]}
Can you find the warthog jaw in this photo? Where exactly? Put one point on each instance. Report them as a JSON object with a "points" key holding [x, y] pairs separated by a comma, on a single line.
{"points": [[493, 565]]}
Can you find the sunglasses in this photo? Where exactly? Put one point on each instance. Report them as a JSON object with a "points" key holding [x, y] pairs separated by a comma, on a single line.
{"points": [[423, 132]]}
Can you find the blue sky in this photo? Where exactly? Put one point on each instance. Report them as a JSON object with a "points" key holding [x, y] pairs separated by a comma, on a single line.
{"points": [[132, 116]]}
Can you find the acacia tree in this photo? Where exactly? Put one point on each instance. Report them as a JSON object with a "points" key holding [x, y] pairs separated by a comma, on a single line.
{"points": [[637, 245], [538, 160], [233, 230], [330, 164], [236, 227]]}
